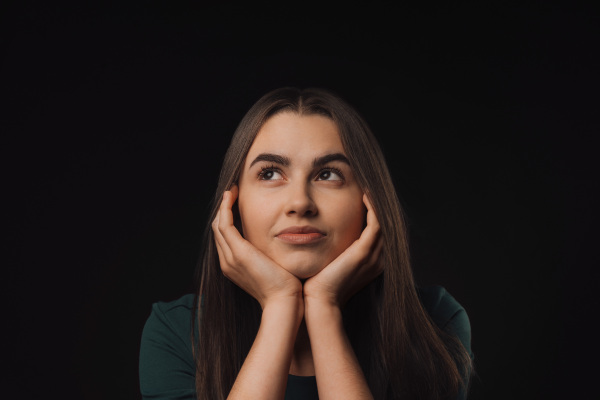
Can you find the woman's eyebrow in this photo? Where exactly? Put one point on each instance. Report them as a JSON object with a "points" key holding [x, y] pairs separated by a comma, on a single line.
{"points": [[285, 161], [274, 158], [329, 158]]}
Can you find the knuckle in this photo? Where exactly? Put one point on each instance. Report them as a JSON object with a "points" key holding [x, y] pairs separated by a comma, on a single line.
{"points": [[224, 227], [226, 269], [231, 260], [235, 259]]}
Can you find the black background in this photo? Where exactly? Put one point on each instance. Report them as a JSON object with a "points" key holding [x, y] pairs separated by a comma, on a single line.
{"points": [[116, 118]]}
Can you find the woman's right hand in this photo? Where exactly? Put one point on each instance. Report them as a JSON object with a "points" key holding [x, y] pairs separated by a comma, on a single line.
{"points": [[245, 265], [265, 370]]}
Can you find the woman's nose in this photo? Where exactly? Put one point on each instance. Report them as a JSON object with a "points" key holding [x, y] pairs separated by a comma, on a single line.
{"points": [[300, 201]]}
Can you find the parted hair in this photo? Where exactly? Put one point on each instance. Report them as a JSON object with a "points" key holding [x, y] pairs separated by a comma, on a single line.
{"points": [[403, 354]]}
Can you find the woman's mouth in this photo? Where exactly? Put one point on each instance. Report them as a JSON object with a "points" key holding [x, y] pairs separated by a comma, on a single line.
{"points": [[300, 235]]}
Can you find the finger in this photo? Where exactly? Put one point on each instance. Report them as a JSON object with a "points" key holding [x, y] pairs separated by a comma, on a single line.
{"points": [[233, 243], [368, 270], [374, 259], [378, 247], [368, 246], [234, 191], [372, 220], [222, 261], [227, 203], [227, 259], [227, 268], [226, 214], [225, 254], [215, 223], [226, 227]]}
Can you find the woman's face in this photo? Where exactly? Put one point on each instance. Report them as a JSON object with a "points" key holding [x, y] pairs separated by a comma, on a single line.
{"points": [[298, 199]]}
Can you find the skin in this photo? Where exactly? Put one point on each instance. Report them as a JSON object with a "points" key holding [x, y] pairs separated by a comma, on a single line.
{"points": [[301, 329]]}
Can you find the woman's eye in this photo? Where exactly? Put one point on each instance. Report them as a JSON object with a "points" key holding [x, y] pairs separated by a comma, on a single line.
{"points": [[269, 174], [330, 175]]}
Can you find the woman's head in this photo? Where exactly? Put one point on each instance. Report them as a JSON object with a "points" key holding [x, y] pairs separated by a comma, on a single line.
{"points": [[300, 127]]}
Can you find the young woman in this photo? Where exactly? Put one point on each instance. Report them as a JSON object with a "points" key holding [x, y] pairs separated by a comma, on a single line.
{"points": [[304, 287]]}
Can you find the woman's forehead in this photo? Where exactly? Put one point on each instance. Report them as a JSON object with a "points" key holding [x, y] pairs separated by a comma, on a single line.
{"points": [[296, 135]]}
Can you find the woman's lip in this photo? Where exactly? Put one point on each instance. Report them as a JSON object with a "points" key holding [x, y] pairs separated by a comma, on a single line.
{"points": [[300, 235], [300, 238], [300, 230]]}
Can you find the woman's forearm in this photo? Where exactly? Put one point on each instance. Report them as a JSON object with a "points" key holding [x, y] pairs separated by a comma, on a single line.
{"points": [[265, 370], [339, 375]]}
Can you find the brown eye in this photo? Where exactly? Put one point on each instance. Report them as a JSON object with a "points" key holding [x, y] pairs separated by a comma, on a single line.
{"points": [[269, 174], [330, 174]]}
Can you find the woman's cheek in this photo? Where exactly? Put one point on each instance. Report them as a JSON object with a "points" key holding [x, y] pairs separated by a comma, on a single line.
{"points": [[253, 216], [354, 225]]}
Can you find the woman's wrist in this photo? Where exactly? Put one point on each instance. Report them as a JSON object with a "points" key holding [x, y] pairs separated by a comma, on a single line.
{"points": [[321, 310], [288, 292], [287, 307]]}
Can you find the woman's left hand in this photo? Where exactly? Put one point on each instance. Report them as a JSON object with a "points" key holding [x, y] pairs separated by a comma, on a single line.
{"points": [[352, 270]]}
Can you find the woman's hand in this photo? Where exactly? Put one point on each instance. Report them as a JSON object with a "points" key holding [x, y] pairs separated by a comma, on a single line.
{"points": [[245, 265], [352, 270], [336, 366], [264, 372]]}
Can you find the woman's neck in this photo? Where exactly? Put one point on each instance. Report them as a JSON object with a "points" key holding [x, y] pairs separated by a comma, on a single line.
{"points": [[302, 360]]}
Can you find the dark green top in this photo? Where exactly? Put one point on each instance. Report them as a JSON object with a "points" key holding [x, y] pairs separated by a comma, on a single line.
{"points": [[167, 368]]}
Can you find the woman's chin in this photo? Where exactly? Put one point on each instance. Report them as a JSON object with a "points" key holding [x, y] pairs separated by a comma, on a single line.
{"points": [[303, 272]]}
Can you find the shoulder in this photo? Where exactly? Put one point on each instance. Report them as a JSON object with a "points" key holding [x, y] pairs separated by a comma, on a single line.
{"points": [[166, 355], [447, 313], [171, 315], [170, 320]]}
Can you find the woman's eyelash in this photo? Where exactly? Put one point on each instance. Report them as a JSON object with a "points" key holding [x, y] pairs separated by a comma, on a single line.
{"points": [[331, 169], [266, 170]]}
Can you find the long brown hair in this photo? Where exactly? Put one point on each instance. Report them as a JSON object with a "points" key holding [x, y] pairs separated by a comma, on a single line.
{"points": [[403, 354]]}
